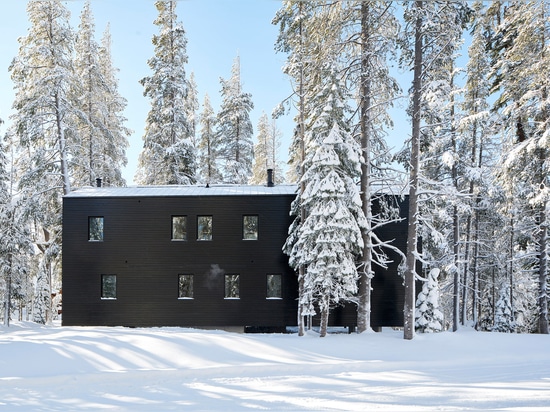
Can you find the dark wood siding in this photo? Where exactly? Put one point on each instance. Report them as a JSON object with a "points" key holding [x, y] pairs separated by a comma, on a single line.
{"points": [[138, 249]]}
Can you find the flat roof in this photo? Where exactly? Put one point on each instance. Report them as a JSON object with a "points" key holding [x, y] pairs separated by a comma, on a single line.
{"points": [[177, 190]]}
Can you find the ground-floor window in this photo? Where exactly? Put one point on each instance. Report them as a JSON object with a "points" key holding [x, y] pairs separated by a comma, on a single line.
{"points": [[108, 286], [185, 286], [232, 286], [274, 286]]}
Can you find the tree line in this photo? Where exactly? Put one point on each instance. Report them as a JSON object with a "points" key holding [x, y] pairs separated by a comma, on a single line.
{"points": [[69, 130], [474, 168]]}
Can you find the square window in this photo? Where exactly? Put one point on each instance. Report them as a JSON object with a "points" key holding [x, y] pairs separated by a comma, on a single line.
{"points": [[250, 227], [108, 286], [95, 228], [232, 286], [179, 227], [274, 286], [204, 227], [185, 286]]}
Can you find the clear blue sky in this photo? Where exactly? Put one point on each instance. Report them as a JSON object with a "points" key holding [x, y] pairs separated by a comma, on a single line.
{"points": [[217, 30]]}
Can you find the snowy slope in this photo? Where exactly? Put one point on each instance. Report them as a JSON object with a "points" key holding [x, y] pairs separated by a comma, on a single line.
{"points": [[91, 369]]}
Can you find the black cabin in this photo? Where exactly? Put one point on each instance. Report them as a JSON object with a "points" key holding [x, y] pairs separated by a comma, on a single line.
{"points": [[194, 256]]}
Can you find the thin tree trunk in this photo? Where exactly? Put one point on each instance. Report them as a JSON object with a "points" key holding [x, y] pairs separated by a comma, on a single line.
{"points": [[301, 269], [543, 271], [412, 233], [366, 273], [324, 317]]}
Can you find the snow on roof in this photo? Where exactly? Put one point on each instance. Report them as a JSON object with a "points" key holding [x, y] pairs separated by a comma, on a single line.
{"points": [[176, 190]]}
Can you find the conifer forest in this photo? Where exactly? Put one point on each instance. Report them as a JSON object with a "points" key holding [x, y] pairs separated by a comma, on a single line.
{"points": [[475, 165]]}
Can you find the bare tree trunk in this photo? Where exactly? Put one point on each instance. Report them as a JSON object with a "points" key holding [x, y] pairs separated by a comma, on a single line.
{"points": [[412, 233], [302, 269], [366, 273], [7, 311], [324, 317], [543, 270]]}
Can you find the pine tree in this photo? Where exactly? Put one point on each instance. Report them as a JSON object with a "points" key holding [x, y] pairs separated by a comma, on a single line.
{"points": [[265, 152], [235, 128], [368, 33], [209, 145], [103, 137], [520, 73], [437, 31], [112, 157], [428, 316], [168, 155], [45, 108]]}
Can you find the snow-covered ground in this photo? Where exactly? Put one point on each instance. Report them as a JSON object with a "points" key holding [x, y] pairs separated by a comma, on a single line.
{"points": [[96, 369]]}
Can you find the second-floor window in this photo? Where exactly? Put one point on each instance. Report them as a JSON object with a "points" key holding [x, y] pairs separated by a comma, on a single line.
{"points": [[204, 227], [95, 228], [250, 227], [179, 227]]}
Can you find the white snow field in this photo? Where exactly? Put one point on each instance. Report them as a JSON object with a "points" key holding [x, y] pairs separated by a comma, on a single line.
{"points": [[119, 369]]}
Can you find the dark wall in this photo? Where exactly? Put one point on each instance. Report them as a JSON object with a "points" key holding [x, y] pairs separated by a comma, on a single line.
{"points": [[137, 247]]}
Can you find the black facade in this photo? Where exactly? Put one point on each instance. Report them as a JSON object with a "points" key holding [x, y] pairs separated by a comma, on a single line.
{"points": [[194, 257]]}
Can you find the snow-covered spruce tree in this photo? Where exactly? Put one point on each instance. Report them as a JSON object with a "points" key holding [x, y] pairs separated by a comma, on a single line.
{"points": [[521, 68], [265, 152], [329, 240], [168, 155], [428, 317], [235, 128], [504, 315], [103, 137], [209, 145], [295, 21], [45, 107]]}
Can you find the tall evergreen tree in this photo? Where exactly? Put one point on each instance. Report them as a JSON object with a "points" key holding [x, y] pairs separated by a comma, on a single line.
{"points": [[103, 136], [168, 155], [265, 152], [235, 128], [209, 145], [45, 106], [437, 32], [113, 157], [521, 71], [329, 240]]}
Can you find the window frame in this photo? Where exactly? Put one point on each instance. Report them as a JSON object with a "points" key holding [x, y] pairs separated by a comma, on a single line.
{"points": [[244, 225], [192, 286], [101, 231], [211, 237], [104, 290], [267, 285], [236, 277], [184, 238]]}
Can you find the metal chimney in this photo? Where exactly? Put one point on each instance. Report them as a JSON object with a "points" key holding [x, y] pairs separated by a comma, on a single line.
{"points": [[98, 182], [270, 178]]}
